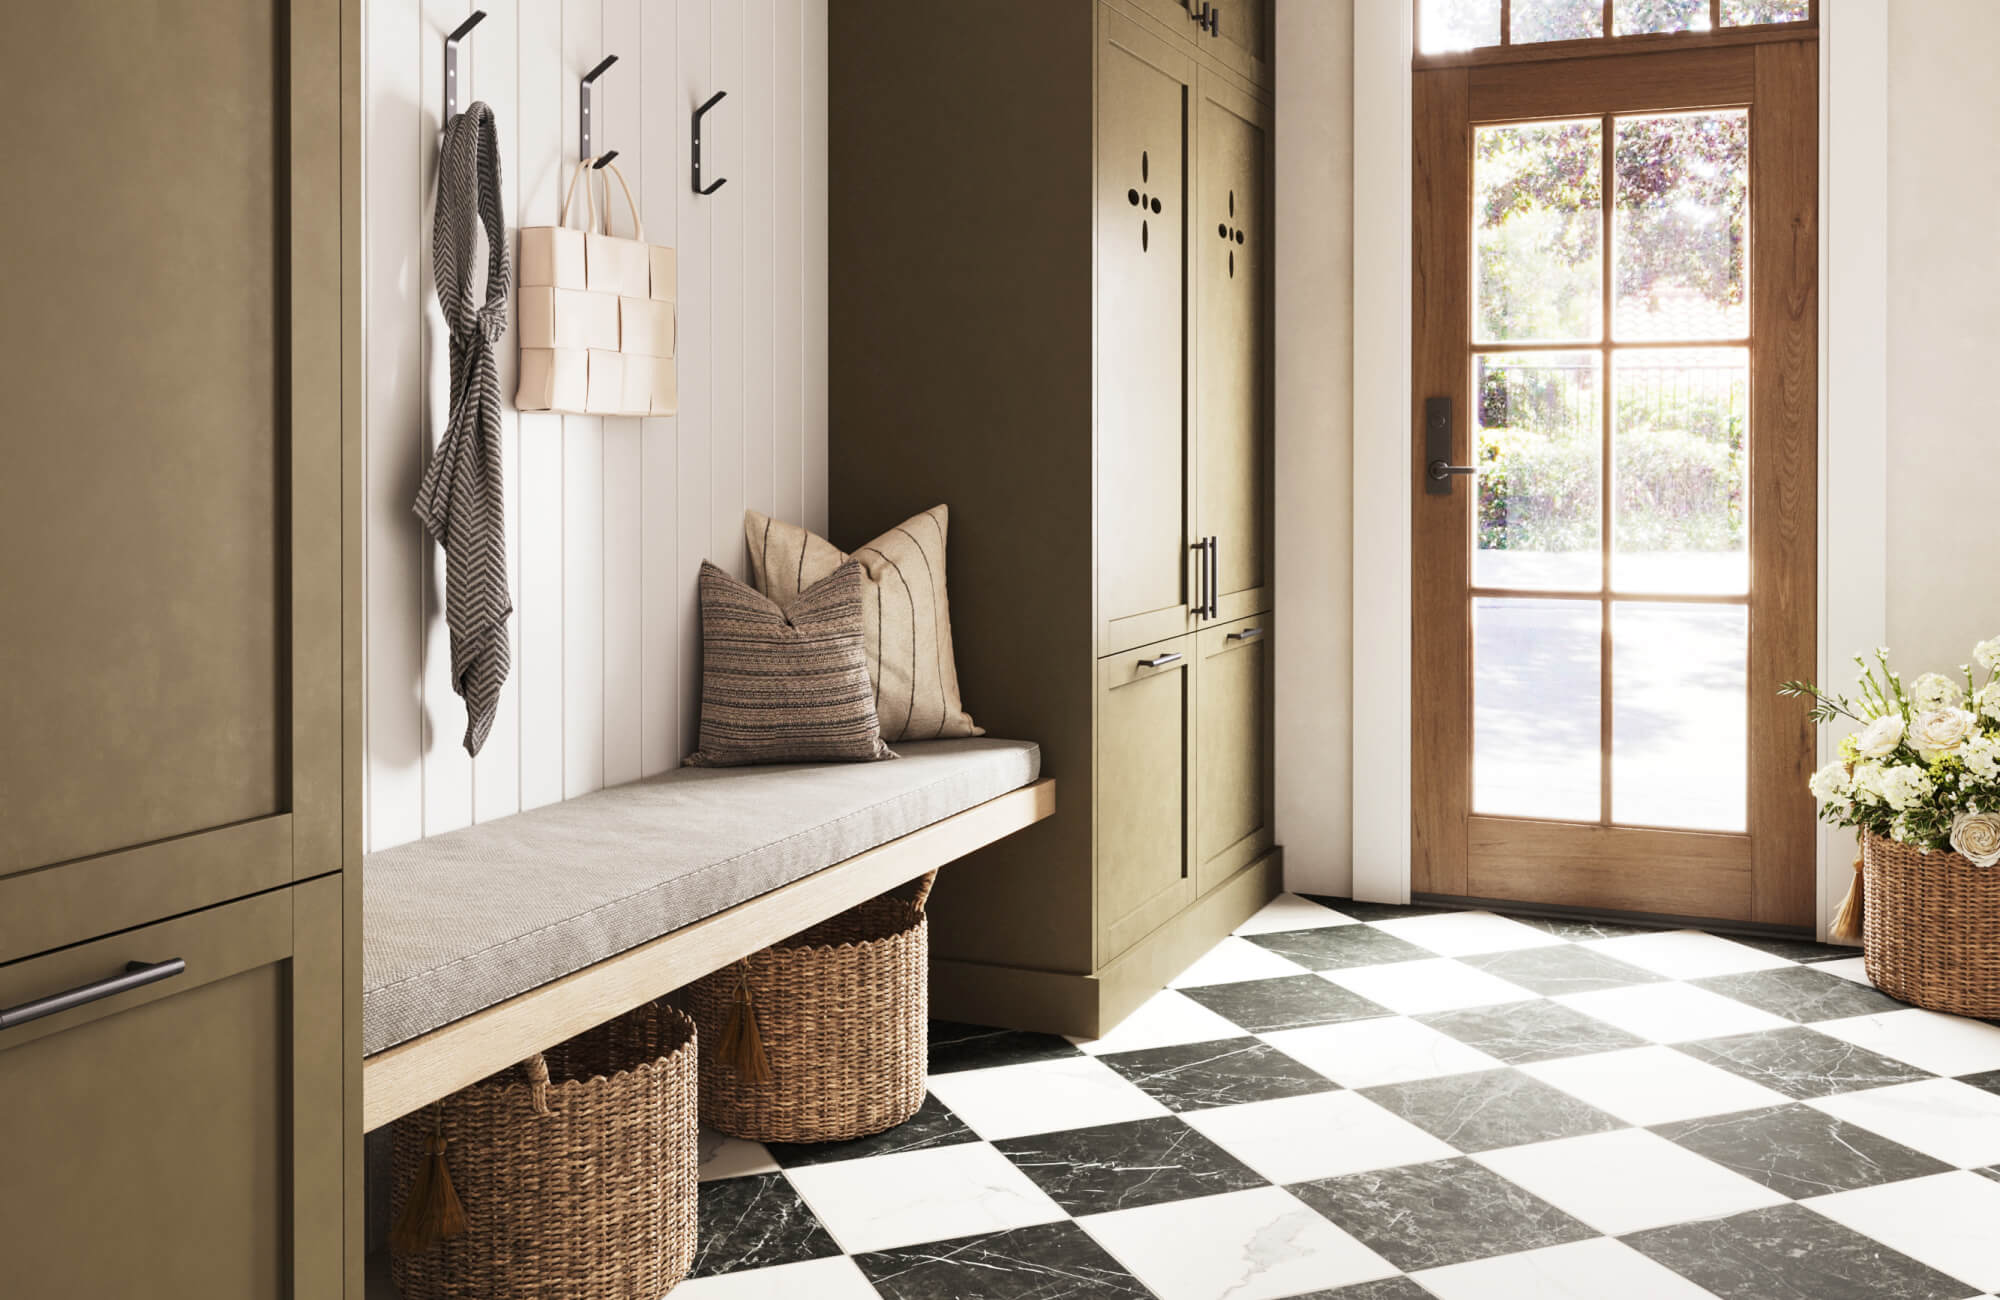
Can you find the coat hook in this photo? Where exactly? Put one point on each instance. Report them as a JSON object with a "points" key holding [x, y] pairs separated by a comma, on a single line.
{"points": [[713, 100], [586, 100], [458, 34]]}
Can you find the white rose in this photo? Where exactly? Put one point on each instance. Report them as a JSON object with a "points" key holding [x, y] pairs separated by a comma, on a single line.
{"points": [[1977, 836], [1987, 654], [1981, 756], [1879, 738], [1936, 691], [1941, 731]]}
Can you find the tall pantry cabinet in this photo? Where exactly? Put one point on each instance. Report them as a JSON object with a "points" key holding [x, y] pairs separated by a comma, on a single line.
{"points": [[1049, 307]]}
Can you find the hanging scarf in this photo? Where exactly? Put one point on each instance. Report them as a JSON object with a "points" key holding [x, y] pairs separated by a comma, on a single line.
{"points": [[461, 497]]}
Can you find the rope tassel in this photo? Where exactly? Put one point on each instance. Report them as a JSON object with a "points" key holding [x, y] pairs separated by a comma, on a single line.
{"points": [[1846, 927], [742, 1045], [433, 1213]]}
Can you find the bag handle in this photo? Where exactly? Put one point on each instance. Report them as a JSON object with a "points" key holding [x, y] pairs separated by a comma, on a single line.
{"points": [[923, 891], [537, 1068], [638, 225], [589, 200]]}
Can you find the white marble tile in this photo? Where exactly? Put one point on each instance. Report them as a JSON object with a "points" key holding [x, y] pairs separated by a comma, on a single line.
{"points": [[1582, 1270], [1653, 1085], [1253, 1245], [723, 1156], [1387, 1049], [1686, 954], [882, 1202], [1943, 1118], [1290, 912], [1848, 968], [1671, 1012], [1926, 1039], [1949, 1221], [1167, 1018], [1628, 1179], [833, 1278], [1008, 1101], [1460, 934], [1233, 961], [1438, 984], [1292, 1139]]}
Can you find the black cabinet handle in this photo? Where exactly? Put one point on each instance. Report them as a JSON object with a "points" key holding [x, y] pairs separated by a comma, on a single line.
{"points": [[1200, 603], [137, 975], [1245, 634], [1214, 577], [1161, 661]]}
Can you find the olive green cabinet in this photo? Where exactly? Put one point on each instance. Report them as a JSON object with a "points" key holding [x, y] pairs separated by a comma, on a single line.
{"points": [[1049, 305]]}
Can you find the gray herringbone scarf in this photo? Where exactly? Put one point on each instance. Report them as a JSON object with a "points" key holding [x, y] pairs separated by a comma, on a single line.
{"points": [[461, 497]]}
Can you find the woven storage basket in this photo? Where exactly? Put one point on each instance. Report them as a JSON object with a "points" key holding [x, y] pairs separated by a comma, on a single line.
{"points": [[1930, 928], [577, 1170], [841, 1011]]}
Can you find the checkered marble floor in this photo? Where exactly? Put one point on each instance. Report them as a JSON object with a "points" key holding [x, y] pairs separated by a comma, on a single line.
{"points": [[1381, 1103]]}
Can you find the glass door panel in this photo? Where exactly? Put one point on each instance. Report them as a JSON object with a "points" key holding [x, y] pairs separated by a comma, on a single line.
{"points": [[1680, 471], [1536, 715], [1538, 226], [1679, 715], [1679, 226], [1540, 471]]}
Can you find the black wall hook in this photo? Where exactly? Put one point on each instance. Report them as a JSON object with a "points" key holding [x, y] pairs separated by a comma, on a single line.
{"points": [[586, 94], [713, 100], [458, 34]]}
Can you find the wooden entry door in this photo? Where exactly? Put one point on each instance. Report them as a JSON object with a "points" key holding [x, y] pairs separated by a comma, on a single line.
{"points": [[1613, 469]]}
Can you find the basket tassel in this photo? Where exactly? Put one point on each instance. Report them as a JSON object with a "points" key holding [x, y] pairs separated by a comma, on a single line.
{"points": [[433, 1212], [742, 1044], [1846, 926]]}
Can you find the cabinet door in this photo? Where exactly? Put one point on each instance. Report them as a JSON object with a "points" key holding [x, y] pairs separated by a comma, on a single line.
{"points": [[1241, 39], [1144, 564], [1232, 364], [1232, 750], [171, 504], [1144, 701], [180, 1141]]}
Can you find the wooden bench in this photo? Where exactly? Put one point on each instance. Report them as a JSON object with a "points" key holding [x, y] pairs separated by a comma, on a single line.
{"points": [[403, 1077]]}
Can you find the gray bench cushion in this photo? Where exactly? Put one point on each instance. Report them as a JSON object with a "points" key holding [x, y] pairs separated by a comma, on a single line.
{"points": [[470, 918]]}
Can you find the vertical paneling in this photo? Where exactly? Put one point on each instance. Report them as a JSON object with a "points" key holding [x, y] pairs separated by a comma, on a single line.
{"points": [[608, 518]]}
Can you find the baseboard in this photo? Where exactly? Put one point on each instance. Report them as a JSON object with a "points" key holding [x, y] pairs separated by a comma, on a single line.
{"points": [[1088, 1006]]}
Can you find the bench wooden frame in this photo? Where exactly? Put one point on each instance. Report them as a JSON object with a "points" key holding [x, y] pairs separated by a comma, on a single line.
{"points": [[401, 1079]]}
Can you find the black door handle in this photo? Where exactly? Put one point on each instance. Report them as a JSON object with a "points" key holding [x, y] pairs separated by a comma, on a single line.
{"points": [[137, 975]]}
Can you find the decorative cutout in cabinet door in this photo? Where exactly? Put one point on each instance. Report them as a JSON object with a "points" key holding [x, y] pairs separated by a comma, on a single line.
{"points": [[1144, 202], [1230, 234]]}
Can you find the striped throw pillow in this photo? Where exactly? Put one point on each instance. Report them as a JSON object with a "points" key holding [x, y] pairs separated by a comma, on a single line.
{"points": [[905, 614], [785, 685]]}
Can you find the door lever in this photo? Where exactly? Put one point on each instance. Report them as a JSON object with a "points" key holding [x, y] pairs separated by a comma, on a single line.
{"points": [[1441, 470]]}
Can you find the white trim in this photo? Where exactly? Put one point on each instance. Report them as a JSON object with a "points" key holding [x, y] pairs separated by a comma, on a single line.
{"points": [[1381, 548], [1852, 402]]}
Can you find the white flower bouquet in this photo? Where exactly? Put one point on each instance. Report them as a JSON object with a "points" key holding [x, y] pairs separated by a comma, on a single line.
{"points": [[1922, 767]]}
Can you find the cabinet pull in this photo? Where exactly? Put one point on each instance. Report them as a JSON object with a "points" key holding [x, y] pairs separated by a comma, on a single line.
{"points": [[137, 974], [1161, 661], [1214, 577], [1245, 634]]}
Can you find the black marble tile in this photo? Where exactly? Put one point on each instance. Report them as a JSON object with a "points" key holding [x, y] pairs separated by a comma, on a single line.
{"points": [[1561, 969], [1444, 1212], [1991, 1171], [1799, 1151], [1336, 947], [1802, 1062], [1225, 1072], [1376, 911], [1519, 1032], [1577, 930], [975, 1047], [1489, 1109], [1795, 949], [1801, 993], [1123, 1166], [1388, 1288], [1289, 1002], [755, 1222], [1050, 1261], [1787, 1252], [932, 1126], [1989, 1080]]}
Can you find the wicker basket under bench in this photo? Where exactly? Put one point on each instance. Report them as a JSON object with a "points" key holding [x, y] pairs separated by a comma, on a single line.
{"points": [[1931, 928]]}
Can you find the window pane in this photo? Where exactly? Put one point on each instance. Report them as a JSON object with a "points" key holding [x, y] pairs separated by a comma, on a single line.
{"points": [[1680, 226], [1535, 737], [1633, 17], [1680, 478], [1679, 715], [1555, 20], [1458, 24], [1538, 221], [1540, 461], [1743, 13]]}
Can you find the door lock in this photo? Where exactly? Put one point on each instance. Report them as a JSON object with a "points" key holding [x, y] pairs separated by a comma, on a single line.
{"points": [[1437, 448]]}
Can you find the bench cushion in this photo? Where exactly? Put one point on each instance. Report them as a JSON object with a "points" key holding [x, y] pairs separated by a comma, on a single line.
{"points": [[460, 921]]}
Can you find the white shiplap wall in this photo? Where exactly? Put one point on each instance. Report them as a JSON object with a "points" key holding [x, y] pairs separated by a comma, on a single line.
{"points": [[608, 518]]}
